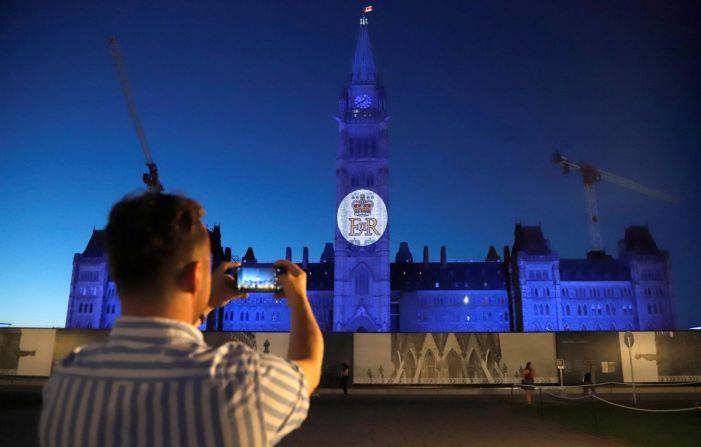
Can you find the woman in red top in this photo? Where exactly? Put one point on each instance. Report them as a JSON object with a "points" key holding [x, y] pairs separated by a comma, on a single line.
{"points": [[528, 381]]}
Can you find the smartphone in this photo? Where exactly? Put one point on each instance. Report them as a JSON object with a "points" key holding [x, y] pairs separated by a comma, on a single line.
{"points": [[257, 278]]}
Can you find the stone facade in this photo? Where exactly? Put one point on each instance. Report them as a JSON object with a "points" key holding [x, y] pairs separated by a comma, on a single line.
{"points": [[357, 288]]}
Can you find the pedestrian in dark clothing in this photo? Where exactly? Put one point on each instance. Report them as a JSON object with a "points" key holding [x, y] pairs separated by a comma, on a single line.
{"points": [[528, 381], [587, 381], [345, 377]]}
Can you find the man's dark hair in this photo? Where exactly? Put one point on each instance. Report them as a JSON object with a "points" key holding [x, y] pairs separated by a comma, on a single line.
{"points": [[149, 236]]}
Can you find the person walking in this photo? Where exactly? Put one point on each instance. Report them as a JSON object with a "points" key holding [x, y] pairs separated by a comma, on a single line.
{"points": [[528, 381], [345, 378], [587, 381]]}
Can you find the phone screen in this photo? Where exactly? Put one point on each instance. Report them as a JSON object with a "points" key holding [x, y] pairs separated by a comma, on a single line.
{"points": [[257, 278]]}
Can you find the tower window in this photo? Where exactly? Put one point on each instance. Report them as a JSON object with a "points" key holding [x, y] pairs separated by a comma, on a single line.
{"points": [[361, 281]]}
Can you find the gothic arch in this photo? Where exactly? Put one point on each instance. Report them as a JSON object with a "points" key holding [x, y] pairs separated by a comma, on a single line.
{"points": [[409, 367], [428, 368], [454, 363], [361, 321], [474, 370], [361, 277]]}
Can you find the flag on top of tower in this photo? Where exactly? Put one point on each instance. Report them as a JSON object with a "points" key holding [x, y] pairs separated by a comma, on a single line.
{"points": [[367, 9]]}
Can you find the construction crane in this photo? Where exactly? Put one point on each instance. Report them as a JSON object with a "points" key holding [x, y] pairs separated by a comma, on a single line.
{"points": [[150, 178], [591, 176]]}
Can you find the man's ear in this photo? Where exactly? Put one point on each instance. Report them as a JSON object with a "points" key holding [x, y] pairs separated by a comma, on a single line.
{"points": [[191, 277]]}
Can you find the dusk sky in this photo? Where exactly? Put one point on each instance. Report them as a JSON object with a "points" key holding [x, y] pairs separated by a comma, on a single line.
{"points": [[237, 100]]}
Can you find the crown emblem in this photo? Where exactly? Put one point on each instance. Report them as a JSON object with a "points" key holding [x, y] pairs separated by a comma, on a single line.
{"points": [[361, 206]]}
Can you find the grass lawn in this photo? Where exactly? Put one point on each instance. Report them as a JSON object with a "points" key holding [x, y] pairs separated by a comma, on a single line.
{"points": [[633, 427]]}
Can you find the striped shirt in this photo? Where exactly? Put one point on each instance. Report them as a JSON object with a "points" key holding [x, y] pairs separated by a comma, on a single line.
{"points": [[157, 383]]}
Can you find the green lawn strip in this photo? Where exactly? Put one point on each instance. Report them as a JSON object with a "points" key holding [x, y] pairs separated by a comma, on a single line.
{"points": [[632, 427]]}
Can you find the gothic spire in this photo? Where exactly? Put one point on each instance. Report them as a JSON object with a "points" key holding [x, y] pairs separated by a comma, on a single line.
{"points": [[363, 63]]}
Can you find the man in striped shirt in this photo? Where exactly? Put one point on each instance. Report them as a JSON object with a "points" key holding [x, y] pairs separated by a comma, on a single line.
{"points": [[155, 381]]}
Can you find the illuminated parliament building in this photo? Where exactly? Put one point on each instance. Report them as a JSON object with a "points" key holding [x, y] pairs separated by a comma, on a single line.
{"points": [[356, 285]]}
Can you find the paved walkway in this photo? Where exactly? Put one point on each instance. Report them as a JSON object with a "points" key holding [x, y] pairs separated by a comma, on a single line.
{"points": [[388, 421], [419, 417]]}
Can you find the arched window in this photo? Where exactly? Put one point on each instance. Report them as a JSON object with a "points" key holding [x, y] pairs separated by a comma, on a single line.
{"points": [[567, 309], [579, 309], [80, 308], [535, 309], [90, 308], [429, 366], [586, 312], [361, 281], [608, 310], [547, 309], [246, 315]]}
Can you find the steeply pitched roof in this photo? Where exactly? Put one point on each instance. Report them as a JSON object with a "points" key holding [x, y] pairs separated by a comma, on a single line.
{"points": [[319, 276], [403, 254], [593, 270], [638, 239], [455, 276], [249, 256], [530, 239], [328, 255], [363, 62], [97, 245]]}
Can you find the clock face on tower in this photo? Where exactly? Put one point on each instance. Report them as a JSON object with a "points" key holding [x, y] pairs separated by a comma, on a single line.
{"points": [[363, 101]]}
